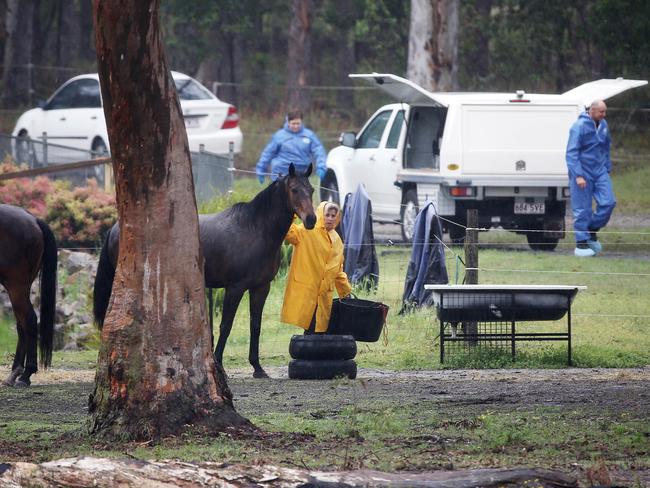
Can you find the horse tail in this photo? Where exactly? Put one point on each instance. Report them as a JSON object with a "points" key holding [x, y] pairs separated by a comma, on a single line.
{"points": [[103, 285], [48, 294]]}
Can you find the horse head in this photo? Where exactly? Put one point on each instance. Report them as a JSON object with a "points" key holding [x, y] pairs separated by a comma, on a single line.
{"points": [[299, 194]]}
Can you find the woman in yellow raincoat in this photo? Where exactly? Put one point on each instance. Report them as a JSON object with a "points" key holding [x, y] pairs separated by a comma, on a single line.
{"points": [[316, 269]]}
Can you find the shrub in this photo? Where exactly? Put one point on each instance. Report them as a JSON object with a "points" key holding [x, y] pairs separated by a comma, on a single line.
{"points": [[81, 217], [27, 193]]}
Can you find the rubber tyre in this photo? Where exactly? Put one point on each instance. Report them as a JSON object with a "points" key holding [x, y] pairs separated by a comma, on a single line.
{"points": [[322, 346], [326, 369], [330, 190], [537, 242], [408, 213]]}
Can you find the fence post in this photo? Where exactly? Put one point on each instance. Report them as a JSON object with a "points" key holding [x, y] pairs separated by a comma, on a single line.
{"points": [[470, 329], [44, 148], [231, 164]]}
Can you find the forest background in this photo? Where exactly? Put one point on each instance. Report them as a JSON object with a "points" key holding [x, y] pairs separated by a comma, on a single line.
{"points": [[265, 56]]}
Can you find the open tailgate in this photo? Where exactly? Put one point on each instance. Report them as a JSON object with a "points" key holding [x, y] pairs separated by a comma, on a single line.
{"points": [[403, 90], [601, 89]]}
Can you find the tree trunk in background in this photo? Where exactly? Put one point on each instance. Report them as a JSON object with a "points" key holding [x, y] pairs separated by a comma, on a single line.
{"points": [[85, 46], [299, 54], [433, 44], [478, 56], [156, 373], [17, 73], [224, 65], [345, 50], [67, 36]]}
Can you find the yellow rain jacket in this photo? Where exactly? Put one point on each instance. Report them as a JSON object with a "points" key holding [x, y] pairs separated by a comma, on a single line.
{"points": [[316, 268]]}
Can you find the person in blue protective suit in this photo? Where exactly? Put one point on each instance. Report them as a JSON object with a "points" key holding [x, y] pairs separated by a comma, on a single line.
{"points": [[294, 143], [589, 164]]}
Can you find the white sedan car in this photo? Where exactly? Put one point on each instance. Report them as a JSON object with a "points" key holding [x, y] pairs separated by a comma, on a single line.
{"points": [[74, 117]]}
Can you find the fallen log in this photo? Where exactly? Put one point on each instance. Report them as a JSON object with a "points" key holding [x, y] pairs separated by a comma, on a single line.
{"points": [[99, 473]]}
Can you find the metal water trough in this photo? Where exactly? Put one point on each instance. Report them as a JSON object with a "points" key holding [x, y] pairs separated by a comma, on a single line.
{"points": [[476, 304]]}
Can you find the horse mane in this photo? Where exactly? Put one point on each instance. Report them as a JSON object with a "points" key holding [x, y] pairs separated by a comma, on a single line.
{"points": [[258, 206]]}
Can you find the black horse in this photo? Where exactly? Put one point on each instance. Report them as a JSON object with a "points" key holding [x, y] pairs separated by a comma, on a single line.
{"points": [[27, 246], [241, 247]]}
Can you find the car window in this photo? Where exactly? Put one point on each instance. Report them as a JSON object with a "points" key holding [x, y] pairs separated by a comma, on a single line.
{"points": [[395, 130], [78, 94], [191, 90], [371, 137]]}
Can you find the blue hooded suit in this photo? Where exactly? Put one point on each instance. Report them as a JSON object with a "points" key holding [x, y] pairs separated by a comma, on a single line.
{"points": [[285, 147], [587, 155]]}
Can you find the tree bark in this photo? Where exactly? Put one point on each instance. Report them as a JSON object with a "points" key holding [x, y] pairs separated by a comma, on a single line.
{"points": [[156, 372], [96, 472], [299, 50], [433, 44], [17, 72]]}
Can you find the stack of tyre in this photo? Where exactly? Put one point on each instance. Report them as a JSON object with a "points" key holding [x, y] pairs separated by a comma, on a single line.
{"points": [[322, 357]]}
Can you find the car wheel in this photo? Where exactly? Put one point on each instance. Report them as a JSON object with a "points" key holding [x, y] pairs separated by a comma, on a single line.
{"points": [[99, 150], [22, 153], [326, 369], [409, 212], [329, 191], [321, 346], [537, 242]]}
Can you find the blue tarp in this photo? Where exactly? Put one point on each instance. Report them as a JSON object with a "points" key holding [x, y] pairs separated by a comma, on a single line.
{"points": [[361, 264], [427, 262]]}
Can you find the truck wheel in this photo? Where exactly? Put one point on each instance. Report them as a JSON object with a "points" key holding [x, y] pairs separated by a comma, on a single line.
{"points": [[329, 191], [456, 234], [327, 369], [538, 242], [409, 212], [322, 346]]}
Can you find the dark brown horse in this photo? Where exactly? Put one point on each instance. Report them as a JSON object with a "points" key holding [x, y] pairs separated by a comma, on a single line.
{"points": [[27, 246], [241, 248]]}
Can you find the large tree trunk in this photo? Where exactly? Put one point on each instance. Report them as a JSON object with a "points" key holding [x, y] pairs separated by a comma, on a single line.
{"points": [[17, 72], [299, 54], [156, 372], [433, 44]]}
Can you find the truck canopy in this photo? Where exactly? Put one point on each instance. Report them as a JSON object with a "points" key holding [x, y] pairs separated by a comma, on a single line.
{"points": [[601, 89], [403, 90]]}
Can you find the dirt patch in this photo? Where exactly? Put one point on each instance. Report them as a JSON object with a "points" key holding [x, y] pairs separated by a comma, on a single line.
{"points": [[624, 389]]}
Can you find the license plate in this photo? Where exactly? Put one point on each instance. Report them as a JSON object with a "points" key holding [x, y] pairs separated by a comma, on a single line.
{"points": [[191, 123], [529, 208]]}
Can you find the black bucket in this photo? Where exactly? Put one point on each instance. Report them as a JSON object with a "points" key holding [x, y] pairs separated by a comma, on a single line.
{"points": [[362, 319]]}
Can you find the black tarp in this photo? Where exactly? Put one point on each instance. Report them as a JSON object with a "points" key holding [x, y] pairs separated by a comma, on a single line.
{"points": [[427, 262], [361, 264]]}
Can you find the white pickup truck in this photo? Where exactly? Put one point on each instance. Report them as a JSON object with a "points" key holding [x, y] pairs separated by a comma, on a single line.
{"points": [[499, 153]]}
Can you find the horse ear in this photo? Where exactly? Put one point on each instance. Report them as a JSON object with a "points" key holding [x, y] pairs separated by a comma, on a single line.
{"points": [[308, 171], [292, 169]]}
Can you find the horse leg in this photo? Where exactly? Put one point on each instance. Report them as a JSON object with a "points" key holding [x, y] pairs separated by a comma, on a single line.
{"points": [[257, 300], [19, 358], [231, 301], [25, 320], [31, 349]]}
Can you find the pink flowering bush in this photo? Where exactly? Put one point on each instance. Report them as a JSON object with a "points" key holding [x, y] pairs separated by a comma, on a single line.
{"points": [[79, 217], [27, 193]]}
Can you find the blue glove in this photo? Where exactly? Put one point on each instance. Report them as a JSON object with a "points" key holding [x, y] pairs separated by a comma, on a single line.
{"points": [[321, 173], [260, 178]]}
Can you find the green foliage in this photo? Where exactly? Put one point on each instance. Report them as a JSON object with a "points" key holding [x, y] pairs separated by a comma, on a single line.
{"points": [[30, 194], [81, 216]]}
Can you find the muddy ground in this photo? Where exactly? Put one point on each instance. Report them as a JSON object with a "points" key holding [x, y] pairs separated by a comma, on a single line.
{"points": [[598, 394]]}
